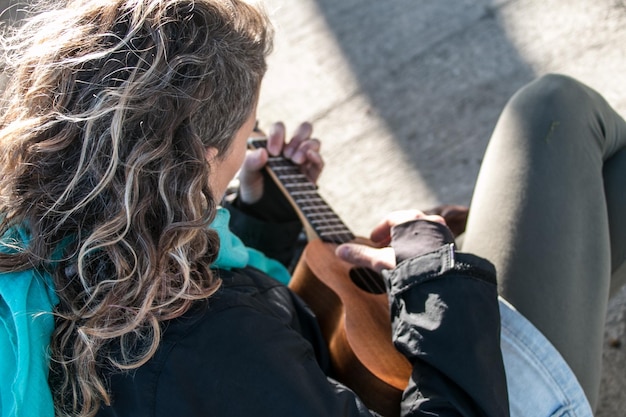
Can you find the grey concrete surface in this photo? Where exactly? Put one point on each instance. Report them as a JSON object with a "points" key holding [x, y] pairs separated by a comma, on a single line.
{"points": [[405, 93]]}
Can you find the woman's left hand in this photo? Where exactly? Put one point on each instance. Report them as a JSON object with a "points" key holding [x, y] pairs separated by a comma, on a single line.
{"points": [[302, 149]]}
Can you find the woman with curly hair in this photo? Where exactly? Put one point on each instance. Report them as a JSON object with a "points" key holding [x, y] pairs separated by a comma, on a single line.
{"points": [[112, 110], [123, 123]]}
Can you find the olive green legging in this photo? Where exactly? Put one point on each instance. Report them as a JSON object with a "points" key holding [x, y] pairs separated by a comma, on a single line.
{"points": [[549, 210]]}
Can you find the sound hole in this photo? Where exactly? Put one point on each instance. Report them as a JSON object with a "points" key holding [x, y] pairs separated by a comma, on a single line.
{"points": [[368, 280]]}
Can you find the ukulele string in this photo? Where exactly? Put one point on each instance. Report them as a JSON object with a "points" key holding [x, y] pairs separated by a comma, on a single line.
{"points": [[328, 220], [324, 221], [330, 228]]}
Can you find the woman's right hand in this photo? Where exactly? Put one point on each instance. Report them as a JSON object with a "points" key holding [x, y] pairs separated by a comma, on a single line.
{"points": [[382, 256]]}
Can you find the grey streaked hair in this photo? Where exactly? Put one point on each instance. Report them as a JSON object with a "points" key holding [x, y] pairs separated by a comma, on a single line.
{"points": [[106, 118]]}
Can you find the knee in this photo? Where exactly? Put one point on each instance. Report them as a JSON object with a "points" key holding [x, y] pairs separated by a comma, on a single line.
{"points": [[554, 83], [552, 94]]}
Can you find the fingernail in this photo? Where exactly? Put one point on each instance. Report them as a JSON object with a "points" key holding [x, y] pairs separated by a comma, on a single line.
{"points": [[273, 149], [341, 250], [298, 157]]}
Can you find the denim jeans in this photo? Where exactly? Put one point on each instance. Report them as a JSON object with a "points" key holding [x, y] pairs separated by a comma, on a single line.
{"points": [[539, 381]]}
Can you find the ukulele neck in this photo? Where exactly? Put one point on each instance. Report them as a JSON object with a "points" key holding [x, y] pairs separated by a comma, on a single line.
{"points": [[319, 219]]}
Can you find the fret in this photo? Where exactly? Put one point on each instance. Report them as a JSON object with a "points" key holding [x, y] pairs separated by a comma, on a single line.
{"points": [[304, 193], [295, 188], [282, 166], [301, 192], [308, 198], [312, 204], [328, 213], [295, 185], [331, 228], [337, 237], [314, 207], [284, 169], [292, 177], [315, 200], [336, 229], [292, 180], [319, 214], [279, 160], [334, 220]]}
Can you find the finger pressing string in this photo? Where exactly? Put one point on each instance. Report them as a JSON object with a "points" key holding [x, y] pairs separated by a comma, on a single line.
{"points": [[276, 138], [302, 133]]}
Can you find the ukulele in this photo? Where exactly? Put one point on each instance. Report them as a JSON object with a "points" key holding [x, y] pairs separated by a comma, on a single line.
{"points": [[350, 302]]}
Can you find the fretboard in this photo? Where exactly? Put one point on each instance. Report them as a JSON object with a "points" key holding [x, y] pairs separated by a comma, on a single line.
{"points": [[303, 195]]}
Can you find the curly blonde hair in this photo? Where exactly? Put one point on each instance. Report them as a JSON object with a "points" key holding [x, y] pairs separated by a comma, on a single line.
{"points": [[109, 110]]}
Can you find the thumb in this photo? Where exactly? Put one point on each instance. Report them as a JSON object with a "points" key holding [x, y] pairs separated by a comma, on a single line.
{"points": [[367, 256], [250, 176], [255, 160]]}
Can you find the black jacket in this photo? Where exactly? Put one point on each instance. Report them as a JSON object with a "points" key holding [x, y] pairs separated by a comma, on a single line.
{"points": [[255, 349]]}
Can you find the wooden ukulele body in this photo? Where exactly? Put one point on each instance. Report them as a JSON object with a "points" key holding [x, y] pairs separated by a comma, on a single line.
{"points": [[356, 325]]}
